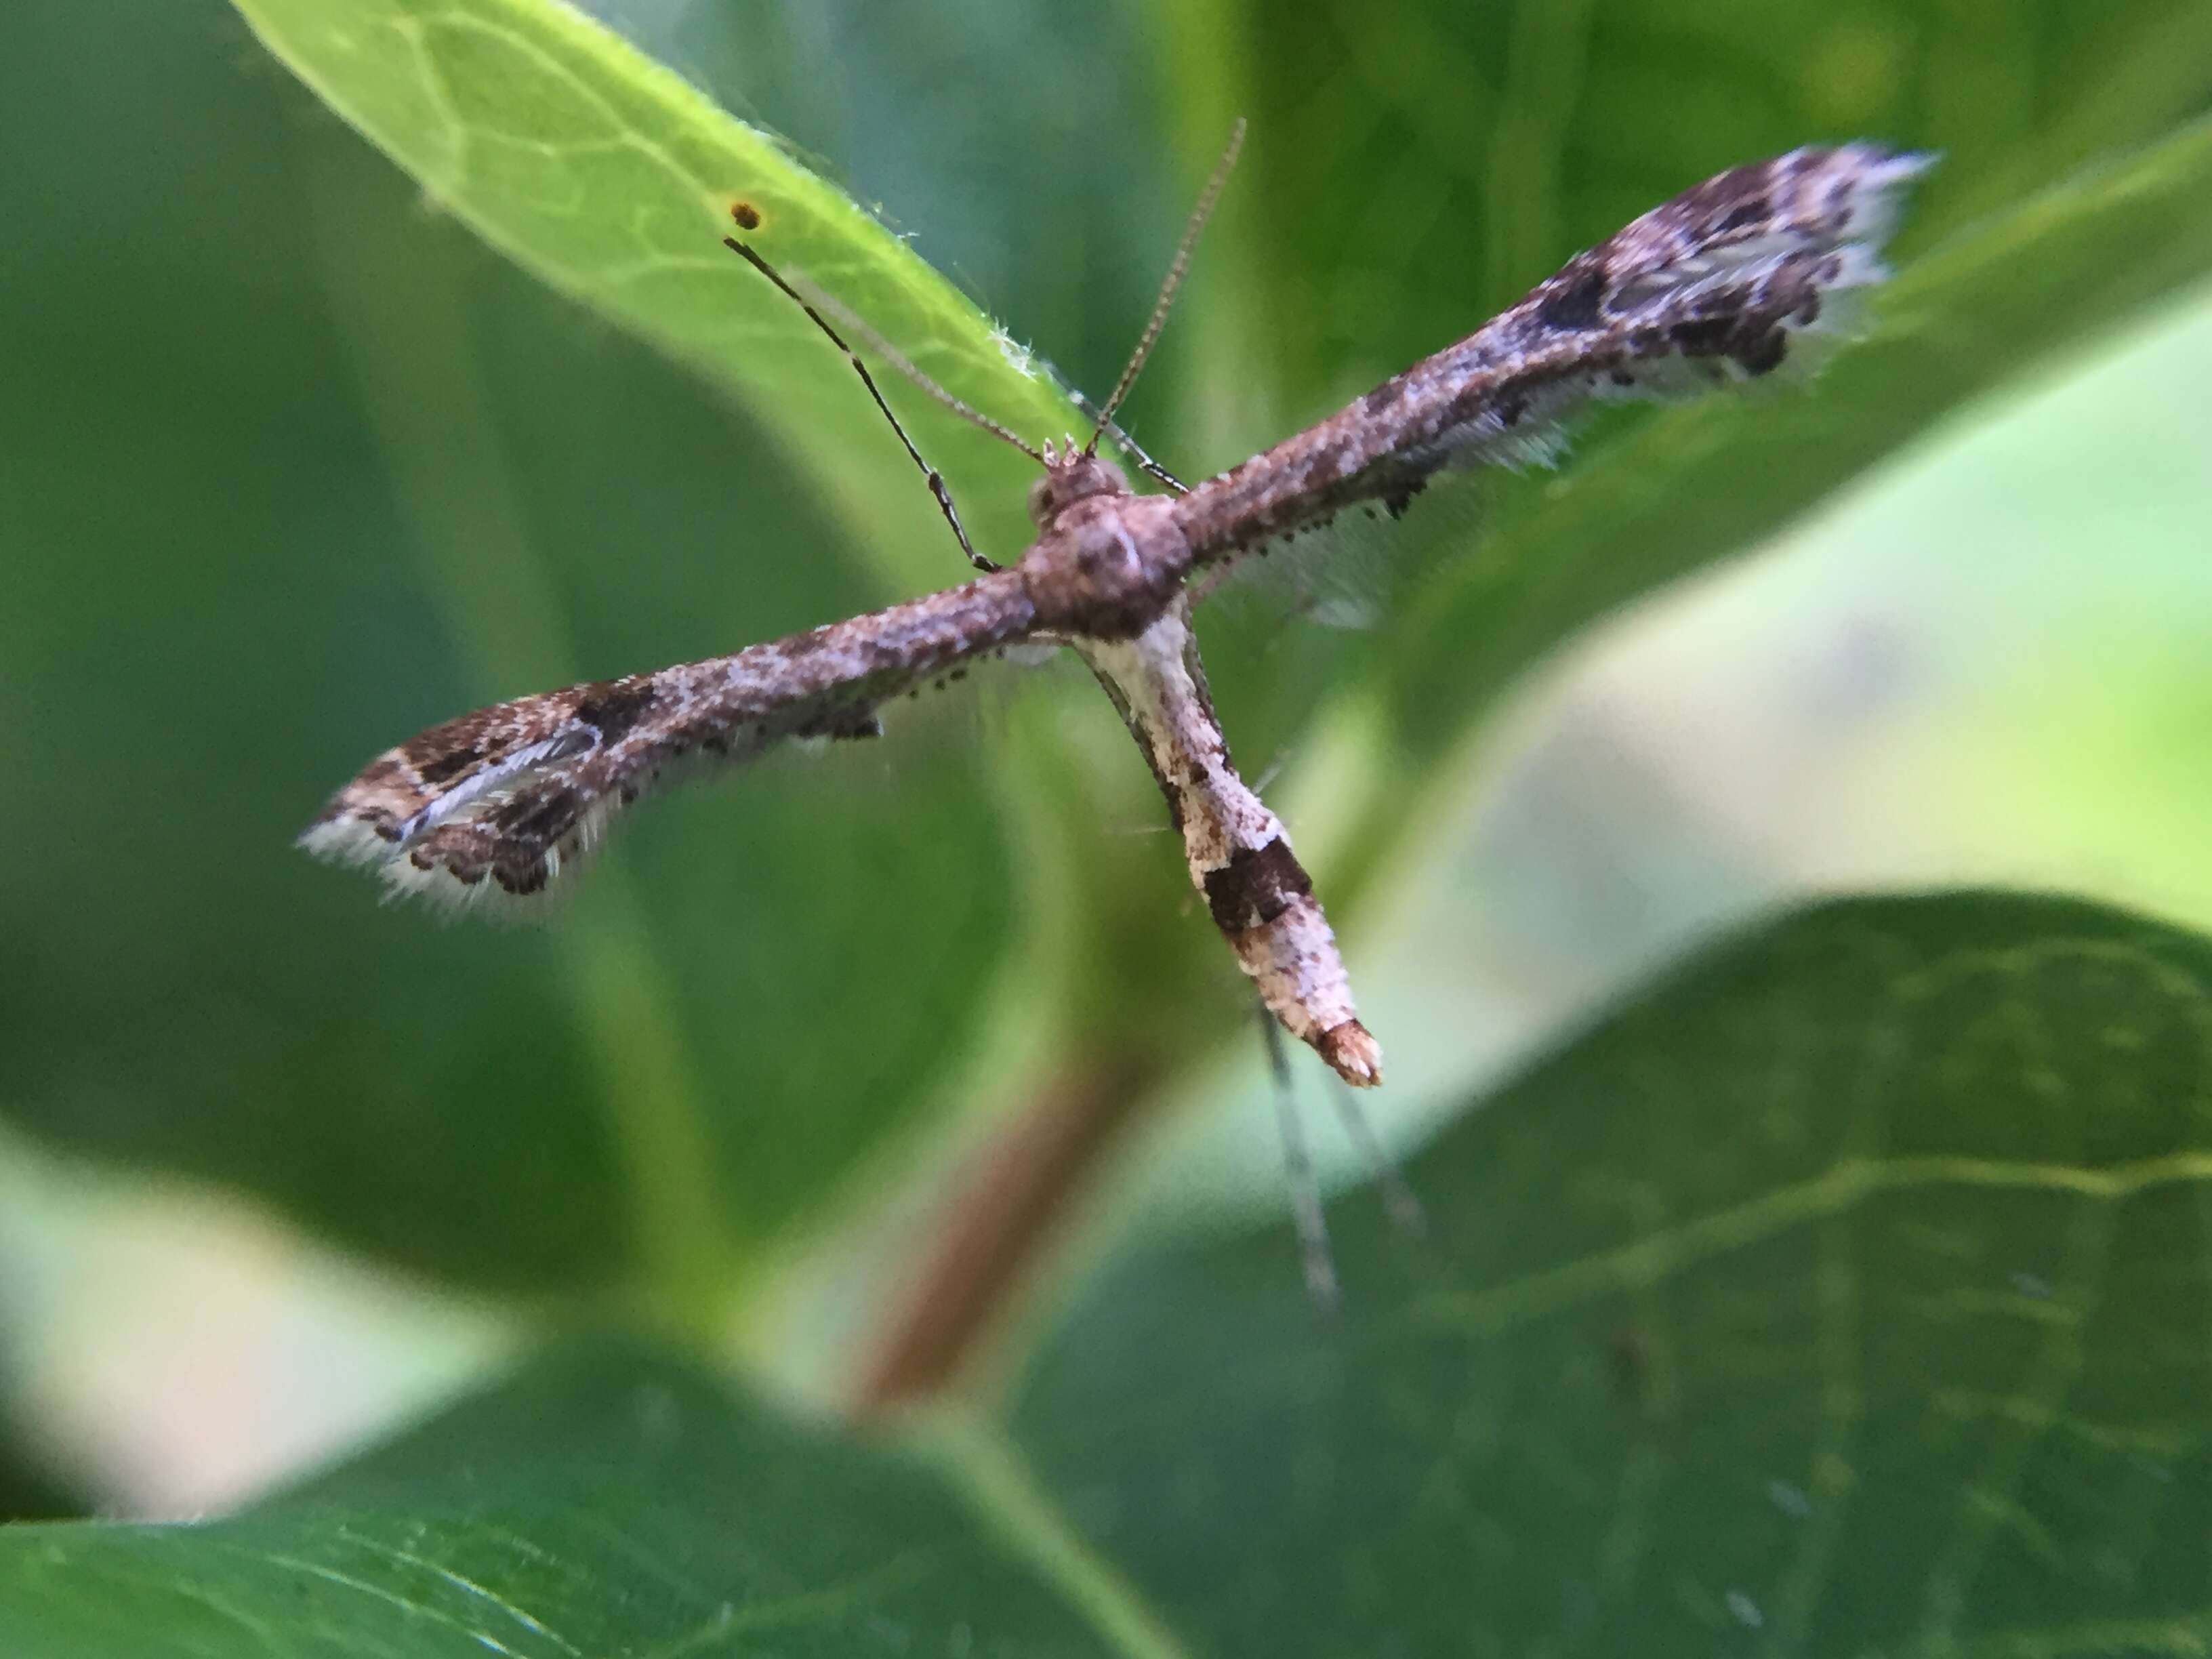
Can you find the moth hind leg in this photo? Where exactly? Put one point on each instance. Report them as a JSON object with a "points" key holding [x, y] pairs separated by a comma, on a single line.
{"points": [[1400, 1202], [1399, 1199], [1314, 1257]]}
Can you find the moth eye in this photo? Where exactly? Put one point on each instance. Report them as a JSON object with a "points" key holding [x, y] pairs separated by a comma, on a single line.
{"points": [[1040, 501]]}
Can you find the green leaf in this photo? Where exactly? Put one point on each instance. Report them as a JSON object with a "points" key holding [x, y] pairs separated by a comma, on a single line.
{"points": [[612, 179], [373, 478], [1845, 1293], [28, 1492], [1698, 484], [378, 479], [609, 1503], [1432, 160], [1702, 482], [1413, 168]]}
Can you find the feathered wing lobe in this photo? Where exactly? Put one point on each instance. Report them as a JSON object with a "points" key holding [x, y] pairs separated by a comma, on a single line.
{"points": [[504, 799], [1730, 279]]}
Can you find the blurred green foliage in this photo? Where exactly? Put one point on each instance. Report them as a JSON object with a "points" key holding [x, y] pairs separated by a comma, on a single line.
{"points": [[294, 466], [1844, 1293]]}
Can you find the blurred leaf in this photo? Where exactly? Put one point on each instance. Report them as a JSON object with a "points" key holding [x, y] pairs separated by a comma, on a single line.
{"points": [[1413, 167], [1699, 483], [1845, 1294], [604, 1503], [1702, 482], [1696, 484], [29, 1492], [295, 472], [377, 477]]}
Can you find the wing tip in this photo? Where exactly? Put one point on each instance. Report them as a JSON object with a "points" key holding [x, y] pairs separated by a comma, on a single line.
{"points": [[411, 868]]}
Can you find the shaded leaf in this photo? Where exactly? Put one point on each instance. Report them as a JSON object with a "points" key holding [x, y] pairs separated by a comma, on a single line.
{"points": [[1845, 1293], [373, 479], [376, 477], [1700, 483], [1412, 167], [607, 1502], [29, 1492]]}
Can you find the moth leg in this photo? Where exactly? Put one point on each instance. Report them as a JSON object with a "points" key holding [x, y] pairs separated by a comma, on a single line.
{"points": [[1398, 1200], [1314, 1256]]}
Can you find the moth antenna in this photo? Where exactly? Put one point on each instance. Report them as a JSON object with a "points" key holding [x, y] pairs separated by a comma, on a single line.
{"points": [[816, 301], [1172, 281], [1129, 447], [930, 474], [1314, 1256]]}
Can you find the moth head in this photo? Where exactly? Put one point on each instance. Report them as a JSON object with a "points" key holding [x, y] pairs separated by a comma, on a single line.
{"points": [[1071, 475]]}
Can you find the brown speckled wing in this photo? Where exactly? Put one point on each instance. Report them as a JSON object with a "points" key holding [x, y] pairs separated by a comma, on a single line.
{"points": [[503, 799], [1728, 280]]}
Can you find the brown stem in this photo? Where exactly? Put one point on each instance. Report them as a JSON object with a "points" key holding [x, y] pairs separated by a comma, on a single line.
{"points": [[994, 1228]]}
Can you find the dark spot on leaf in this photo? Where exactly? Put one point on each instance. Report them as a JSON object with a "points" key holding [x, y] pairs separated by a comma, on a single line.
{"points": [[1626, 1359]]}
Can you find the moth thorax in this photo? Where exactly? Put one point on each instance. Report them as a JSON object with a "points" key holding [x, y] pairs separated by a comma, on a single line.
{"points": [[1071, 476], [1106, 567]]}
